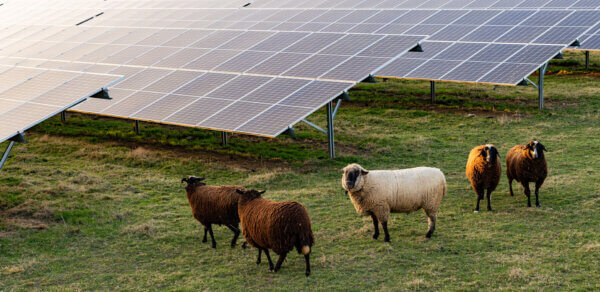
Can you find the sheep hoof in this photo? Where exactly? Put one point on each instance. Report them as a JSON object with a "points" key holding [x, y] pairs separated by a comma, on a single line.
{"points": [[214, 246], [538, 205], [244, 245], [307, 274], [376, 235], [204, 240]]}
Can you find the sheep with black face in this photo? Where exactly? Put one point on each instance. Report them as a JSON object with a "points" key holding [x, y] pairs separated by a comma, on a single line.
{"points": [[527, 163], [279, 226], [213, 205], [378, 193], [483, 171]]}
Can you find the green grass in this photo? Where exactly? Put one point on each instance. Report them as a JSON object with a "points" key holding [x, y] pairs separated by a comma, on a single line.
{"points": [[89, 205]]}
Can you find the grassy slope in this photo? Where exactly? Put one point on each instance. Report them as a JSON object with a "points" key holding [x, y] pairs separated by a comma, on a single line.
{"points": [[110, 211]]}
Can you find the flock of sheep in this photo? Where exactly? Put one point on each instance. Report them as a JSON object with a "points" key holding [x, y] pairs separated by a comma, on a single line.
{"points": [[283, 226]]}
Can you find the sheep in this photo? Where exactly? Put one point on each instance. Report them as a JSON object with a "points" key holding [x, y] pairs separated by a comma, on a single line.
{"points": [[214, 205], [377, 193], [527, 163], [483, 171], [279, 226]]}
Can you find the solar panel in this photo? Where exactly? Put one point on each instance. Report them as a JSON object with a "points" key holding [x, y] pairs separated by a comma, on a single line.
{"points": [[29, 96]]}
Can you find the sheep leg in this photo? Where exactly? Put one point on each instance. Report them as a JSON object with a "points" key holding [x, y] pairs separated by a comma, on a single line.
{"points": [[527, 193], [431, 222], [212, 236], [204, 240], [280, 261], [307, 259], [480, 193], [538, 184], [510, 187], [259, 254], [376, 225], [489, 200], [269, 258], [236, 234], [385, 230]]}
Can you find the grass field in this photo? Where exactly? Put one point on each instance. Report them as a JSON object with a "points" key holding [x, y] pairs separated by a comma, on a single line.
{"points": [[89, 205]]}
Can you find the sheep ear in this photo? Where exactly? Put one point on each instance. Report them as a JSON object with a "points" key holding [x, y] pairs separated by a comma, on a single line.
{"points": [[364, 171], [239, 191], [260, 193], [201, 179], [184, 180]]}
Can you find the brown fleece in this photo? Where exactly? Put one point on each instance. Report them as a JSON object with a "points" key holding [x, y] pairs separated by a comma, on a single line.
{"points": [[279, 226], [521, 166], [482, 174], [214, 204]]}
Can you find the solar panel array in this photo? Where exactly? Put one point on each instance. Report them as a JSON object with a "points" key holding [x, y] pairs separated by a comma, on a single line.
{"points": [[541, 35], [29, 96], [496, 46], [260, 69], [253, 82]]}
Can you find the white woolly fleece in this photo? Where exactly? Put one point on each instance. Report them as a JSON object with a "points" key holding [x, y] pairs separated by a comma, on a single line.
{"points": [[398, 191]]}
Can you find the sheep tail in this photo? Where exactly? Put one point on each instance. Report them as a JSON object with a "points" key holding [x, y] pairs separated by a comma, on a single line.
{"points": [[304, 242]]}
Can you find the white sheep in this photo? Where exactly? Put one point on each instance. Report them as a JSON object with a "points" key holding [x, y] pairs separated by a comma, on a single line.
{"points": [[378, 193]]}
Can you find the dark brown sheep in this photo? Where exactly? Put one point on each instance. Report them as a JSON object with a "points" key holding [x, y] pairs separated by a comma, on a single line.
{"points": [[483, 171], [527, 163], [214, 205], [279, 226]]}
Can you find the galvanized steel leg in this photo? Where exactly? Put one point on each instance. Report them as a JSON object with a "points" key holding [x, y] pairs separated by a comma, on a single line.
{"points": [[432, 83], [587, 60], [541, 85], [136, 127], [330, 134], [223, 138], [6, 152]]}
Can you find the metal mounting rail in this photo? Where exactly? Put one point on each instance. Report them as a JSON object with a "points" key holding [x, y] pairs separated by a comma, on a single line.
{"points": [[18, 138], [331, 113]]}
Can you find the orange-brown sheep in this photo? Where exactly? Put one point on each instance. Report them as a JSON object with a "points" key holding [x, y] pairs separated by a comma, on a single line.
{"points": [[214, 205], [483, 171], [527, 163], [280, 226]]}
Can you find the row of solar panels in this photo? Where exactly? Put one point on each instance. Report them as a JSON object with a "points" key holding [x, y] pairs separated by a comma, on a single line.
{"points": [[429, 4], [260, 71]]}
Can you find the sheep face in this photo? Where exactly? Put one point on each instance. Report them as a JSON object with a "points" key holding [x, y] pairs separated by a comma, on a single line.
{"points": [[192, 180], [353, 178], [248, 195], [536, 149], [490, 153]]}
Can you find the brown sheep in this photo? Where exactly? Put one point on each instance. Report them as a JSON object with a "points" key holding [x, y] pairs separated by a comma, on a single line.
{"points": [[527, 163], [214, 205], [279, 226], [483, 171]]}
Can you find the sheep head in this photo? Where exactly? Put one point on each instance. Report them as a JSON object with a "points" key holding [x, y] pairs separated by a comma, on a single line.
{"points": [[249, 194], [490, 153], [353, 178], [536, 149], [191, 180]]}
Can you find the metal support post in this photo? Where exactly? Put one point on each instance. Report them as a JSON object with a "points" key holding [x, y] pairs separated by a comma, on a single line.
{"points": [[541, 85], [587, 60], [63, 116], [432, 85], [6, 152], [330, 134], [224, 138], [136, 127]]}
